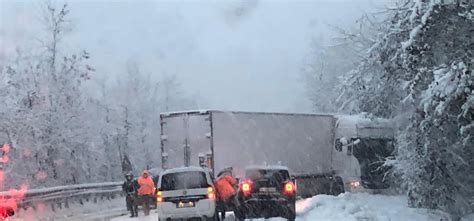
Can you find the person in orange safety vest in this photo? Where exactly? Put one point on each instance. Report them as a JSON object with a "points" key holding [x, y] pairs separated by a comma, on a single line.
{"points": [[226, 187], [146, 191]]}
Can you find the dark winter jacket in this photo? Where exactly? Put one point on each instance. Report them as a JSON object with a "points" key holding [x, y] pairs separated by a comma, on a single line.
{"points": [[130, 187]]}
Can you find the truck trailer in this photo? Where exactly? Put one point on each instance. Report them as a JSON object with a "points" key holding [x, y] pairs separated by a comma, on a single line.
{"points": [[320, 149]]}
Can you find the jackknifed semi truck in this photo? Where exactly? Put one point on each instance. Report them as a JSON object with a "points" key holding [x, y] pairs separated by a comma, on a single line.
{"points": [[326, 153]]}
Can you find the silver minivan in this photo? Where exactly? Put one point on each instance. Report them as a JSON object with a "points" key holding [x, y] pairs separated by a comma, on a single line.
{"points": [[186, 193]]}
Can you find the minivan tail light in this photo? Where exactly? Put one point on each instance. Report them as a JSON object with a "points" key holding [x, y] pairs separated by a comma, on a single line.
{"points": [[210, 193], [159, 197]]}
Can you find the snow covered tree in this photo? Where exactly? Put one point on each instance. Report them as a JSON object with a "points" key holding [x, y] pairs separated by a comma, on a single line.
{"points": [[331, 60], [64, 146], [139, 99], [420, 72], [44, 109], [320, 74]]}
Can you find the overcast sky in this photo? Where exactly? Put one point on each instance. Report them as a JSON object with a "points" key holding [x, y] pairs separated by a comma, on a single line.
{"points": [[237, 55]]}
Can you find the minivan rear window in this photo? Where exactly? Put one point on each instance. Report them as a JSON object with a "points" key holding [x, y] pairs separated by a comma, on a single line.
{"points": [[184, 180]]}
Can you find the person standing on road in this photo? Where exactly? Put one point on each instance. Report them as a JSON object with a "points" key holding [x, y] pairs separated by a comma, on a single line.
{"points": [[146, 191], [130, 188], [226, 186]]}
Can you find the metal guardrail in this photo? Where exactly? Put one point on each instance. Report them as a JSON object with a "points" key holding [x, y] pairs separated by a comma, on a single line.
{"points": [[61, 196]]}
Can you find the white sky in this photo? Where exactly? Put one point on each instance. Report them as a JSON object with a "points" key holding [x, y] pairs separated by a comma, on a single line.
{"points": [[237, 55]]}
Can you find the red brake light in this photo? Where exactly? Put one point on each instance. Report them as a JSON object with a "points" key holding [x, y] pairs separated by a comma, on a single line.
{"points": [[246, 186], [289, 187]]}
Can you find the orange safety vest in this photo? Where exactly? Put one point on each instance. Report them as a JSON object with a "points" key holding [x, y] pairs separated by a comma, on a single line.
{"points": [[225, 187], [147, 186]]}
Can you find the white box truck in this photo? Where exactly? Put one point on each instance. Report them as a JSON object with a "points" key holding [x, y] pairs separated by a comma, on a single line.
{"points": [[320, 149]]}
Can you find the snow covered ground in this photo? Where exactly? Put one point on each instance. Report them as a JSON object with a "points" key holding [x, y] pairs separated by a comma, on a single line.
{"points": [[363, 206], [348, 207], [345, 207]]}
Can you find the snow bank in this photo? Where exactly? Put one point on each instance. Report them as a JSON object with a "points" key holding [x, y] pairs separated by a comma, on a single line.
{"points": [[363, 206]]}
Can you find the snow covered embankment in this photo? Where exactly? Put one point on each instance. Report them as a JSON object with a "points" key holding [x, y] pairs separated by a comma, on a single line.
{"points": [[363, 206]]}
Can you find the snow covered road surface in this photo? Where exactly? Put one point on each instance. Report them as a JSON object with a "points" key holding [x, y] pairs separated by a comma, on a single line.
{"points": [[347, 207]]}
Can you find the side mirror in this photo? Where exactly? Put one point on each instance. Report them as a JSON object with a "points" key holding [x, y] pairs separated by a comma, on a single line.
{"points": [[350, 147], [338, 145]]}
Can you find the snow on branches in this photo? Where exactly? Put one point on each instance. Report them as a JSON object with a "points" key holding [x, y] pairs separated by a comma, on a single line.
{"points": [[420, 70]]}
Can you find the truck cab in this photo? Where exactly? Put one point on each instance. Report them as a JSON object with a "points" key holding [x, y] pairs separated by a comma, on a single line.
{"points": [[362, 145]]}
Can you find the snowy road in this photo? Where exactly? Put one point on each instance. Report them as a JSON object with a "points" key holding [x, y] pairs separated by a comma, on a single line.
{"points": [[347, 207]]}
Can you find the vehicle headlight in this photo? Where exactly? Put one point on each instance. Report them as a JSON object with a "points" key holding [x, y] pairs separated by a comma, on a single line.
{"points": [[355, 184]]}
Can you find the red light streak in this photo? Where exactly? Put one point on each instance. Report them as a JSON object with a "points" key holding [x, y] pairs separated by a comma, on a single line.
{"points": [[8, 199]]}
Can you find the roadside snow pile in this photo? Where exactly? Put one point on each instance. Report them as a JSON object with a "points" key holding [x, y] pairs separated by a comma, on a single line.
{"points": [[363, 206]]}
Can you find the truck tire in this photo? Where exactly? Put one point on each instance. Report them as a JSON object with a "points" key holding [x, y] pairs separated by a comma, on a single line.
{"points": [[337, 186]]}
